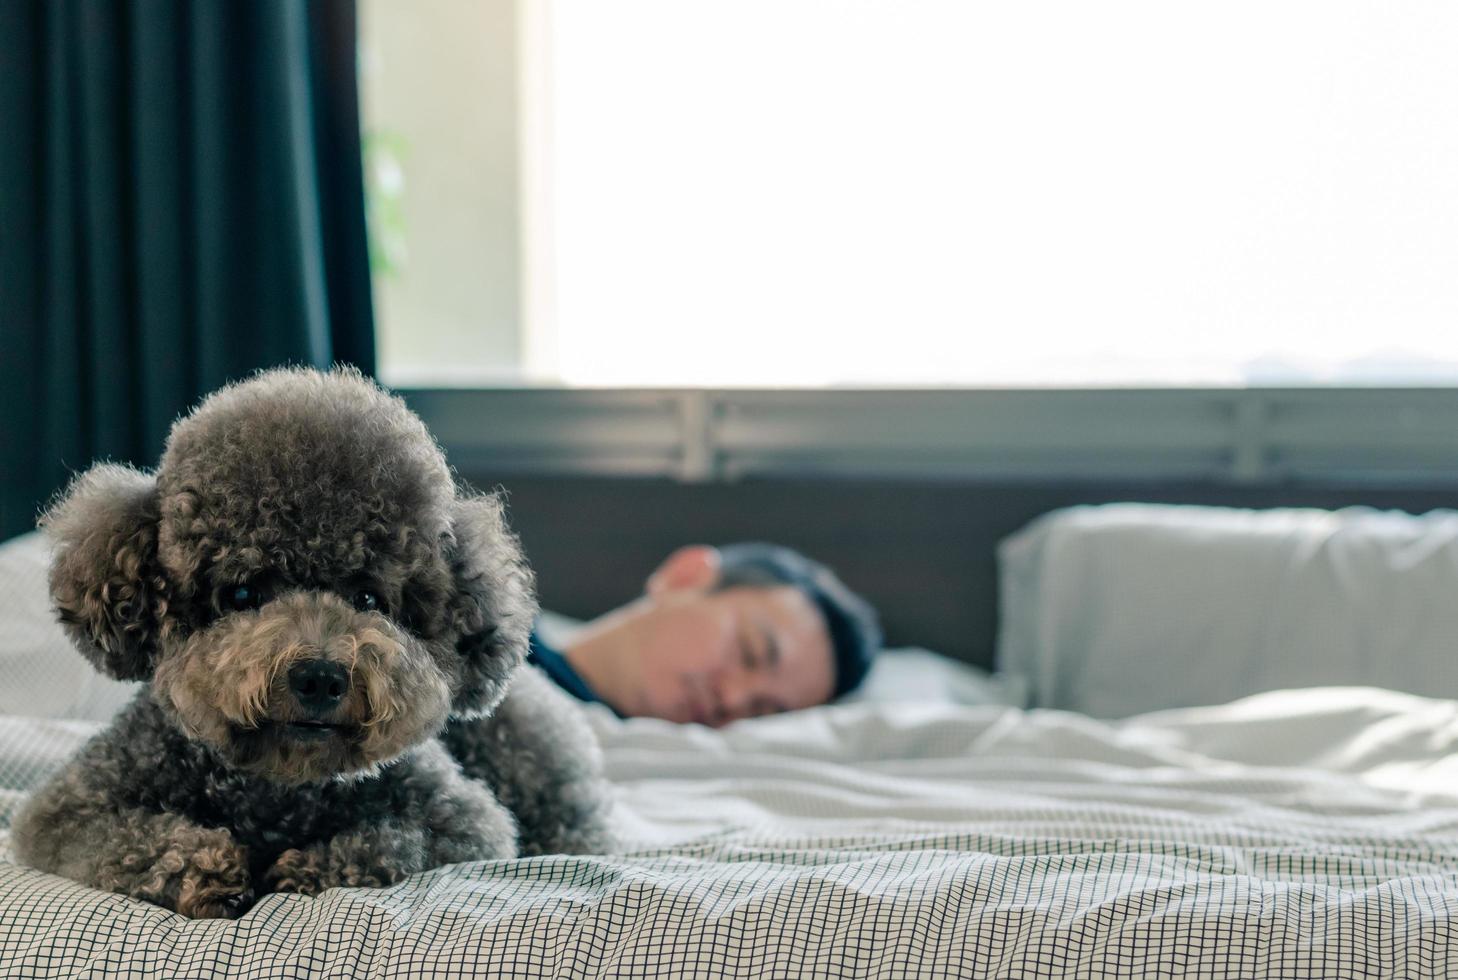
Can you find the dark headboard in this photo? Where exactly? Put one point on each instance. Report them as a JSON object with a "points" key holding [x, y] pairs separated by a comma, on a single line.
{"points": [[923, 553]]}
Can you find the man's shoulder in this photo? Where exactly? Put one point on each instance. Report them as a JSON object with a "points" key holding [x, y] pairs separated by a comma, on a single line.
{"points": [[554, 664]]}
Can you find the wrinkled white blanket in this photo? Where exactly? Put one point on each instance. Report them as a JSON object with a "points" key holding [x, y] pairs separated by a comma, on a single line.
{"points": [[1296, 834]]}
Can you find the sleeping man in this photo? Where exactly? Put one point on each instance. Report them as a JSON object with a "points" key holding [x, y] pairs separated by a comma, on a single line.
{"points": [[721, 634]]}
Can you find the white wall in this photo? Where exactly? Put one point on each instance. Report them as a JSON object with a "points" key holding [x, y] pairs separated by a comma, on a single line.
{"points": [[442, 77]]}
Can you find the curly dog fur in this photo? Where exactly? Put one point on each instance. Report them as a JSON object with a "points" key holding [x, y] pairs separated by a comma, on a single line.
{"points": [[333, 636]]}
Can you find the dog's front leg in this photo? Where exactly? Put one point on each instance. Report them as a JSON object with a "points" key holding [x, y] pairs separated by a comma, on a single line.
{"points": [[163, 858], [436, 817]]}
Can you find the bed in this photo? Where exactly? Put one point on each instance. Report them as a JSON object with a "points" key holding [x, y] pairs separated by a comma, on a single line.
{"points": [[929, 829], [901, 840]]}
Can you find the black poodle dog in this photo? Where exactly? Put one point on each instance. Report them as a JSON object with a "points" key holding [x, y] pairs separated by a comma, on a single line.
{"points": [[333, 635]]}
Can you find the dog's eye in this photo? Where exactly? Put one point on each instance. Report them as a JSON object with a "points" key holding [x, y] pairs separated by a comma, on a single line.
{"points": [[241, 598], [366, 601]]}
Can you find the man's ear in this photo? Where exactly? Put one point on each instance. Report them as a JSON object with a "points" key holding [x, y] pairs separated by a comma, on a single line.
{"points": [[494, 604], [694, 566], [106, 582]]}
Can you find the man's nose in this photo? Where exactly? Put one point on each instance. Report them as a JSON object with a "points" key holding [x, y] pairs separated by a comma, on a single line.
{"points": [[734, 696], [318, 685]]}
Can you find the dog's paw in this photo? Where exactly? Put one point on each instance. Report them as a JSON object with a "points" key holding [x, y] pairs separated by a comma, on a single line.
{"points": [[308, 872], [203, 874], [296, 870]]}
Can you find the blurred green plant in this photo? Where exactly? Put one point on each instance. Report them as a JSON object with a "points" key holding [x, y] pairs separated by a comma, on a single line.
{"points": [[384, 156]]}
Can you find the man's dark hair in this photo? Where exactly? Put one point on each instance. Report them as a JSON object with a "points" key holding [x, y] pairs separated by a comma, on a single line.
{"points": [[855, 633]]}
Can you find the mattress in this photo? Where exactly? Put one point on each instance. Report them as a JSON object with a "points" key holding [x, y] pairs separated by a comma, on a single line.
{"points": [[1295, 834]]}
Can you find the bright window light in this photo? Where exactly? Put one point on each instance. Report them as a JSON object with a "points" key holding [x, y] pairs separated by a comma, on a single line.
{"points": [[911, 192], [797, 192]]}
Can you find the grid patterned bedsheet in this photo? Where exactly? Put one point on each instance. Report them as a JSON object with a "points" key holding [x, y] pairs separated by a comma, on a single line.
{"points": [[887, 841]]}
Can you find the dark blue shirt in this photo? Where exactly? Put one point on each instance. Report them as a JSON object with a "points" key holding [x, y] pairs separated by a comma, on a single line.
{"points": [[555, 666]]}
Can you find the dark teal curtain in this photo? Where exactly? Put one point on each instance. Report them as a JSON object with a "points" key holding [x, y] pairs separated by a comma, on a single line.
{"points": [[181, 203]]}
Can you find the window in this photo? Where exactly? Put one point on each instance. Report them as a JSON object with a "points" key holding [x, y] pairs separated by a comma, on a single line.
{"points": [[803, 193]]}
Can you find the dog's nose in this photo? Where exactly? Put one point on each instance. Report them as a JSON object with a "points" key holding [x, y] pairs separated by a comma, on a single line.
{"points": [[318, 685]]}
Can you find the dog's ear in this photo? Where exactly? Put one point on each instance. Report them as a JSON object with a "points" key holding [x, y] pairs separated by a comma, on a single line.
{"points": [[106, 582], [493, 602]]}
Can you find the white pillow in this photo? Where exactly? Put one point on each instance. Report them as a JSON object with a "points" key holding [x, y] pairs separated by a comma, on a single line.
{"points": [[1127, 608], [41, 673], [912, 674]]}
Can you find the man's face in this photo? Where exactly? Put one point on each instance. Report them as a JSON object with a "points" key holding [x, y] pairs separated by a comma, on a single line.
{"points": [[716, 656]]}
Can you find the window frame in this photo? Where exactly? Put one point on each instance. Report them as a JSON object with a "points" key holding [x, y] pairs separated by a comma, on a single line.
{"points": [[1243, 436]]}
